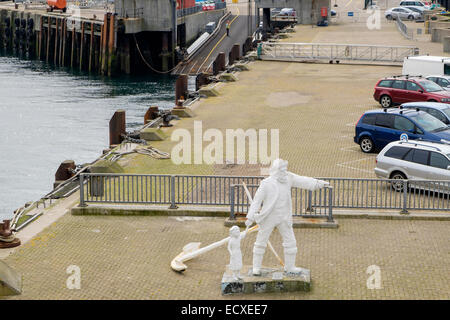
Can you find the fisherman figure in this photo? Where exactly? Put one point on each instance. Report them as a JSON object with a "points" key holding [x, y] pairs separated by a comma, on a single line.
{"points": [[274, 195], [234, 248], [228, 27]]}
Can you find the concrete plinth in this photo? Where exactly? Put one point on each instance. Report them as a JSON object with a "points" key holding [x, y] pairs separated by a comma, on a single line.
{"points": [[208, 91], [229, 77], [183, 112], [446, 44], [10, 281], [271, 280], [152, 134]]}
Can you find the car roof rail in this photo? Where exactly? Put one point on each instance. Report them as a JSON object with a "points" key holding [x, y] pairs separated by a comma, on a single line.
{"points": [[442, 141], [407, 76], [420, 144]]}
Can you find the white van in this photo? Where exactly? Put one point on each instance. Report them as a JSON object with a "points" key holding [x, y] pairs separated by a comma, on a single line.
{"points": [[426, 66]]}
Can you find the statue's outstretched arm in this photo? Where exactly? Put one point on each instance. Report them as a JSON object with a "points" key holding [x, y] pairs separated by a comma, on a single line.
{"points": [[307, 182]]}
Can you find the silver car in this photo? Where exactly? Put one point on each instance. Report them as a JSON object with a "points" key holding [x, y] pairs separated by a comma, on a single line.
{"points": [[416, 160], [402, 13], [443, 81]]}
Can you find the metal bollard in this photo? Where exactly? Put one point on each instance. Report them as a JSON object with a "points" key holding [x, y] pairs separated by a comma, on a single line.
{"points": [[117, 127], [181, 88], [221, 61]]}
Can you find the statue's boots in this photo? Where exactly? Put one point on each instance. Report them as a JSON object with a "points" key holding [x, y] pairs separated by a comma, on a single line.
{"points": [[257, 262], [289, 261]]}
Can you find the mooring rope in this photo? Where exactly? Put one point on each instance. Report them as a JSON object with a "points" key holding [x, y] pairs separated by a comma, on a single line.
{"points": [[148, 64]]}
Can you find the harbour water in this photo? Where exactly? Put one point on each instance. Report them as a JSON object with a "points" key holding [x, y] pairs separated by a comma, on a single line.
{"points": [[50, 115]]}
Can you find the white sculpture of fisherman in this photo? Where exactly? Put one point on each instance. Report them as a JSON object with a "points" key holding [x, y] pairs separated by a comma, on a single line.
{"points": [[272, 208], [234, 248]]}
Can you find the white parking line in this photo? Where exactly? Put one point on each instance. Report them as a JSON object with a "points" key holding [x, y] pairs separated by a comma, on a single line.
{"points": [[345, 165], [347, 149]]}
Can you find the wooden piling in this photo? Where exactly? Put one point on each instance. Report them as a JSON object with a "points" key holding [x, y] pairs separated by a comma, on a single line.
{"points": [[63, 54], [102, 32], [40, 37], [82, 45], [111, 44], [104, 44], [48, 40], [61, 39], [91, 47], [55, 57], [72, 47]]}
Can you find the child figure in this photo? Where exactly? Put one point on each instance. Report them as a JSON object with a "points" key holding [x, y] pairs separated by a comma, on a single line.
{"points": [[234, 248]]}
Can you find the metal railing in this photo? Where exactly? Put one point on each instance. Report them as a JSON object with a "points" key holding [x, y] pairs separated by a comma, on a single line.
{"points": [[404, 195], [401, 26], [159, 189], [347, 193], [311, 204], [285, 51], [188, 11]]}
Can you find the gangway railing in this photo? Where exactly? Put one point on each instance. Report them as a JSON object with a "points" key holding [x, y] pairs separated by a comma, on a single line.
{"points": [[287, 51]]}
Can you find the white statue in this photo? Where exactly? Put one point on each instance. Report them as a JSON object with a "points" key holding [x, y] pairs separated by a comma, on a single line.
{"points": [[274, 195], [234, 248]]}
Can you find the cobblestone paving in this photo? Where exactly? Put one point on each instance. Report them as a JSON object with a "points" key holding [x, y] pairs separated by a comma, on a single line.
{"points": [[128, 258]]}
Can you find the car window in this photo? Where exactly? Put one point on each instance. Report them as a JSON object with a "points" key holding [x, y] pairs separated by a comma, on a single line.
{"points": [[398, 84], [403, 124], [447, 112], [437, 160], [420, 156], [430, 86], [384, 120], [412, 86], [409, 155], [437, 114], [434, 79], [369, 118], [385, 83], [443, 82], [397, 152], [428, 122]]}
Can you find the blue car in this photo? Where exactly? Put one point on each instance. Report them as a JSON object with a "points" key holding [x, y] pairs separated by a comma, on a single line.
{"points": [[438, 110], [376, 128]]}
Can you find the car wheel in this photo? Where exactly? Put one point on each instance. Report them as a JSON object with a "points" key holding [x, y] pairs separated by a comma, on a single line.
{"points": [[411, 17], [385, 101], [389, 17], [366, 145], [432, 100], [398, 186]]}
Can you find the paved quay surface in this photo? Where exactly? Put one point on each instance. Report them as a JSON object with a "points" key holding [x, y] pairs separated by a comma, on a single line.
{"points": [[129, 257], [314, 106]]}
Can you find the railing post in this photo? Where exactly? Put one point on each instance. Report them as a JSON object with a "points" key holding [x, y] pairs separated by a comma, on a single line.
{"points": [[330, 204], [82, 202], [172, 193], [309, 207], [232, 214], [405, 197]]}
